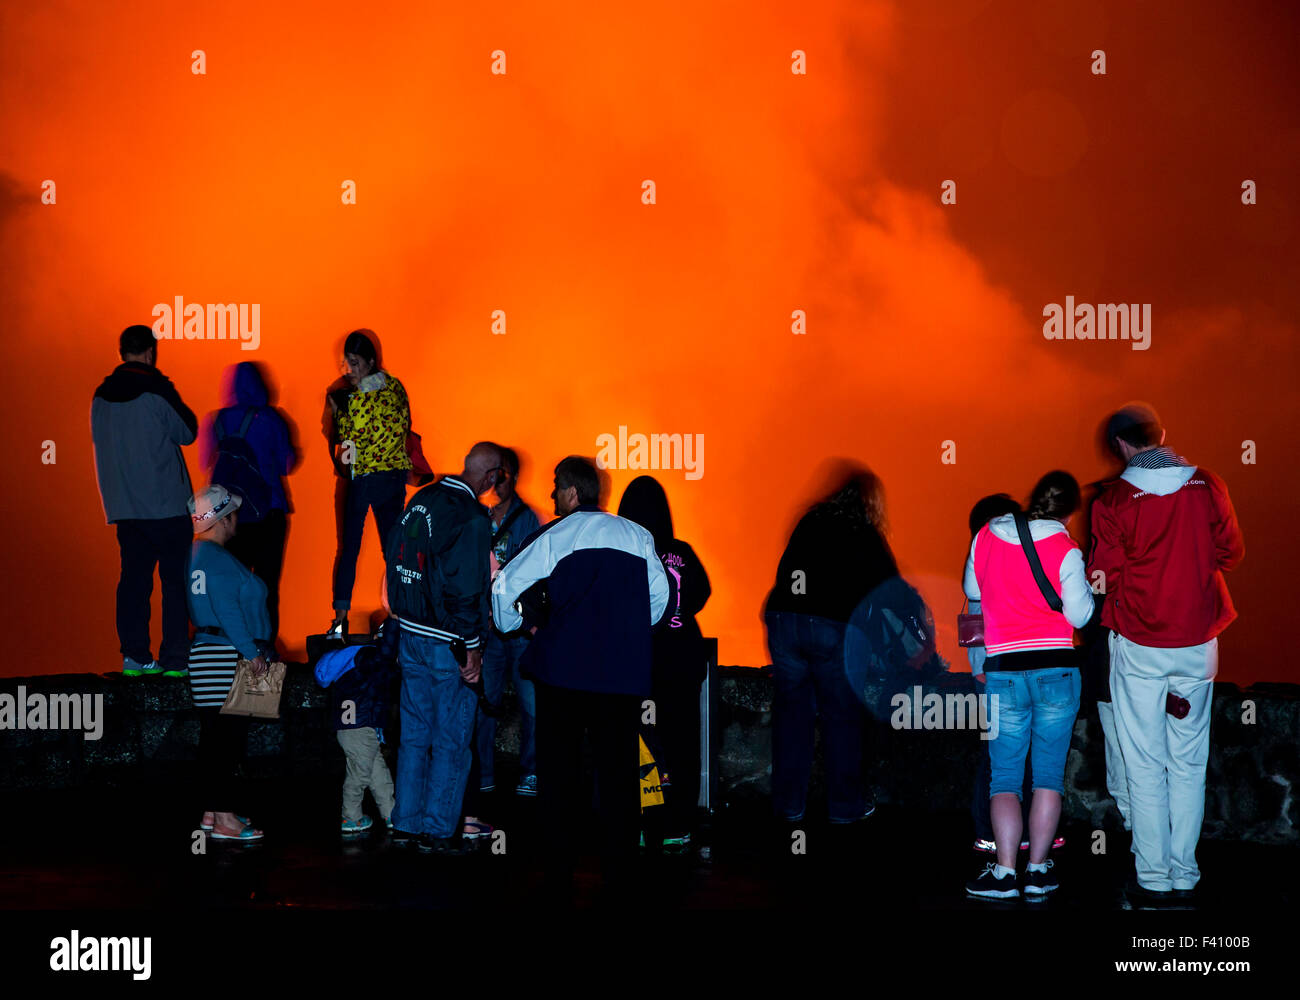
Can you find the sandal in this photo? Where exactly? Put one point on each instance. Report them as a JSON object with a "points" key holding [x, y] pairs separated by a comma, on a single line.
{"points": [[247, 833], [209, 821], [474, 829]]}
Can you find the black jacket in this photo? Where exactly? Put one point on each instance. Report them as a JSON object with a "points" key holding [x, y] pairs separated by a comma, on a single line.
{"points": [[438, 572], [676, 639], [369, 686], [838, 563]]}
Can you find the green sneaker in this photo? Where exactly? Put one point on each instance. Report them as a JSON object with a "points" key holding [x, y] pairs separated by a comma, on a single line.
{"points": [[178, 672], [132, 669], [677, 845]]}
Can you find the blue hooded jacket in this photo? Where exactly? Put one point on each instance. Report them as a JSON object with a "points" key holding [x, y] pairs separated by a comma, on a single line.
{"points": [[268, 434]]}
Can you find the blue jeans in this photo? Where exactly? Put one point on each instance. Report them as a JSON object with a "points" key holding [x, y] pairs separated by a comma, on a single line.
{"points": [[808, 672], [1035, 712], [385, 493], [437, 723], [499, 657]]}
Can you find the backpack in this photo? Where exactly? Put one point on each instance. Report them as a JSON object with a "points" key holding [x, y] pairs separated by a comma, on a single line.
{"points": [[236, 469], [889, 643]]}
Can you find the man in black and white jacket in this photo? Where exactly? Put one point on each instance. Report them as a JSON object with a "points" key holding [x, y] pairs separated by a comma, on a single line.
{"points": [[438, 579], [591, 658]]}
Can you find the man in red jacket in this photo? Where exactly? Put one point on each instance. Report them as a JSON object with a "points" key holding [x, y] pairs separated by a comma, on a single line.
{"points": [[1163, 534]]}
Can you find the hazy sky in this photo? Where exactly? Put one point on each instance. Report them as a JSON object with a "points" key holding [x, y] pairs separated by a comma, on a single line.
{"points": [[775, 192]]}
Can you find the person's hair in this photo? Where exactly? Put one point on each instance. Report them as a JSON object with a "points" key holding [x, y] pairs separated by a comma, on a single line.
{"points": [[581, 473], [136, 340], [360, 344], [1056, 496], [645, 502], [1140, 435], [989, 507], [859, 501], [509, 460]]}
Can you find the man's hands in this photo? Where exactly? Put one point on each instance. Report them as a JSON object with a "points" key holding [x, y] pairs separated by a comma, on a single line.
{"points": [[473, 668], [260, 666]]}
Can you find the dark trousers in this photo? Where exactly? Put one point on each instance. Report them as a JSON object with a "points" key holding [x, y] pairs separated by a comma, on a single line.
{"points": [[260, 546], [385, 494], [145, 544], [222, 739], [611, 721], [674, 739], [810, 683]]}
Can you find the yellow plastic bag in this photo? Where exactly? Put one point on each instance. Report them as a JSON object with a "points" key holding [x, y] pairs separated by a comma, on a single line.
{"points": [[652, 792]]}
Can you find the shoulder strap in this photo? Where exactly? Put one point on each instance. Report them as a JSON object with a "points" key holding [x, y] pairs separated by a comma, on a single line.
{"points": [[509, 519], [1027, 543], [248, 419]]}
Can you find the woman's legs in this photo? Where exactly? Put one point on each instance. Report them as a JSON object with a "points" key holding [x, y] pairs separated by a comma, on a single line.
{"points": [[1044, 815], [1007, 828], [221, 747], [1055, 696], [355, 505], [793, 714], [1008, 700]]}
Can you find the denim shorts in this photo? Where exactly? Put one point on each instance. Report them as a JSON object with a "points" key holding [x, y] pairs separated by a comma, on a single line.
{"points": [[1035, 712]]}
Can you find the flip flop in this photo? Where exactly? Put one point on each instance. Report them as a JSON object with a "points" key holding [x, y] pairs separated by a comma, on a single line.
{"points": [[246, 834], [207, 827]]}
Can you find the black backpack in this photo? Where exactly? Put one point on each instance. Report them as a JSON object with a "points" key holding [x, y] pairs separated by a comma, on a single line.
{"points": [[890, 642], [236, 469]]}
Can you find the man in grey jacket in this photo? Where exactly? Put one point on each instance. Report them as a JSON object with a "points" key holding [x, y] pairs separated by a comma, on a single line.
{"points": [[138, 424]]}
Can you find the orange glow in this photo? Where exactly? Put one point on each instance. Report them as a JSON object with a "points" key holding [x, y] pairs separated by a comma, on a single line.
{"points": [[775, 192]]}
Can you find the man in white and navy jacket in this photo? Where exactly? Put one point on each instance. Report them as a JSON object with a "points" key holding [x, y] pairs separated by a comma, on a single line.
{"points": [[590, 658]]}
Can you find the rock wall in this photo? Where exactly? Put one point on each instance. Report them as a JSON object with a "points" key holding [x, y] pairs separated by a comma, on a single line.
{"points": [[150, 731]]}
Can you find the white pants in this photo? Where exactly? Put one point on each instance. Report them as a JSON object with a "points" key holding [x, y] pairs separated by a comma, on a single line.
{"points": [[1116, 776], [1164, 757]]}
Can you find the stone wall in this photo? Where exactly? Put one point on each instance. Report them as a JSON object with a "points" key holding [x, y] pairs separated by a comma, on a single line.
{"points": [[151, 732]]}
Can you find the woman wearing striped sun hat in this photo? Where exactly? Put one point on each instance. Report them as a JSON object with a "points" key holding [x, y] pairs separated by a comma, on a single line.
{"points": [[228, 608]]}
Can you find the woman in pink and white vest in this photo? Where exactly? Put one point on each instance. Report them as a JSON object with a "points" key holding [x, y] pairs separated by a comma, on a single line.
{"points": [[1032, 674]]}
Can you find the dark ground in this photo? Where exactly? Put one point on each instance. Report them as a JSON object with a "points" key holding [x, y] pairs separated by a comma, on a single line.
{"points": [[897, 880]]}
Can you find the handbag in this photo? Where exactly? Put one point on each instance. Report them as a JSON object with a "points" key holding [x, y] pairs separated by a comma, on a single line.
{"points": [[258, 697], [970, 627], [420, 472]]}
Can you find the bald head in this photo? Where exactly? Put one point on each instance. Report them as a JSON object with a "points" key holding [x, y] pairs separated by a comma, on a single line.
{"points": [[481, 465]]}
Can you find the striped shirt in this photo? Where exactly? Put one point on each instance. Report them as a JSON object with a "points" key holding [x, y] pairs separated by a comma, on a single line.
{"points": [[212, 671]]}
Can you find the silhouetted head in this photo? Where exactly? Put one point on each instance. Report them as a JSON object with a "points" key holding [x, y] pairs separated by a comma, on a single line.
{"points": [[645, 502], [859, 500], [576, 484], [1134, 428], [481, 467], [1056, 496], [989, 507], [508, 477], [137, 343], [359, 355]]}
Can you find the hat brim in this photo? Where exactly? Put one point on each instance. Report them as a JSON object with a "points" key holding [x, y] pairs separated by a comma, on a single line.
{"points": [[203, 526]]}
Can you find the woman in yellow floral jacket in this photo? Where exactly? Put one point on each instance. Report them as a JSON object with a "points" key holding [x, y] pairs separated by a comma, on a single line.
{"points": [[371, 420]]}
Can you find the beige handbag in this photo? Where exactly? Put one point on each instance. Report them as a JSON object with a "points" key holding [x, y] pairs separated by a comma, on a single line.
{"points": [[258, 697]]}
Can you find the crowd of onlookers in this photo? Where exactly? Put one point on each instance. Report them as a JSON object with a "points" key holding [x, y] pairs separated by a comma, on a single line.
{"points": [[591, 619]]}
